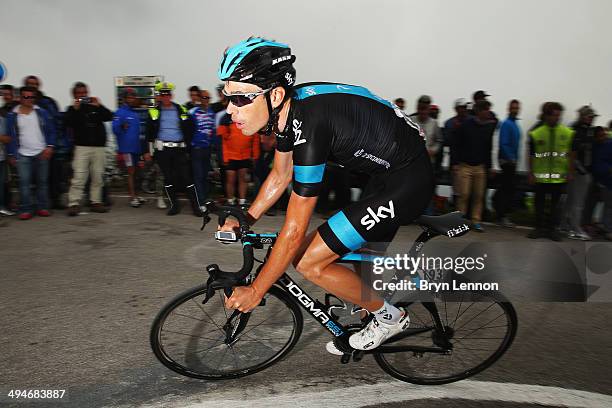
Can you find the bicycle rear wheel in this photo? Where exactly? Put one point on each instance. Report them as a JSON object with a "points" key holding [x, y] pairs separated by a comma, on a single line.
{"points": [[190, 338], [479, 330]]}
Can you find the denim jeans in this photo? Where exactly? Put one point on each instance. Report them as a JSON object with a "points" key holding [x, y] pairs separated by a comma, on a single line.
{"points": [[2, 181], [28, 168], [200, 162]]}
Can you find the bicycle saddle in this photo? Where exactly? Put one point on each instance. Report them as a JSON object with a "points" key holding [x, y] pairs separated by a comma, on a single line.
{"points": [[452, 224]]}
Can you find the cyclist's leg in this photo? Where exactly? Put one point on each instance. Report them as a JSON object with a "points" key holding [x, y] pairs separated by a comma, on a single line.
{"points": [[399, 197], [316, 262]]}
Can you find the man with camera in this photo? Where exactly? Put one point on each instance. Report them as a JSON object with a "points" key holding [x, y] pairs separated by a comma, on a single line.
{"points": [[86, 119]]}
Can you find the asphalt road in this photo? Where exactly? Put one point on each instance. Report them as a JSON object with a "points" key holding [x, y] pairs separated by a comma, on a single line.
{"points": [[78, 296]]}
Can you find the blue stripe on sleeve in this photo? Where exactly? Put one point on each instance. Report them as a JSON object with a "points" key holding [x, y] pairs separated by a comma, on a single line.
{"points": [[309, 174]]}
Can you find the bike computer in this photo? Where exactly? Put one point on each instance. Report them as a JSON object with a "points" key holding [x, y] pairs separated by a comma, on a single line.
{"points": [[226, 236]]}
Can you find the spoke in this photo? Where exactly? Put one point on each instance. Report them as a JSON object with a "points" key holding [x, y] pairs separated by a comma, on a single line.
{"points": [[258, 341], [222, 357], [191, 317], [479, 338], [465, 310], [458, 310], [466, 323], [211, 319], [210, 348], [483, 327], [191, 335], [259, 324], [235, 357], [445, 314]]}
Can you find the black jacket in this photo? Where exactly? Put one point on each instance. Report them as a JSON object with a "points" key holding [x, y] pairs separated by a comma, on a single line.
{"points": [[582, 144], [87, 124], [186, 125], [473, 141]]}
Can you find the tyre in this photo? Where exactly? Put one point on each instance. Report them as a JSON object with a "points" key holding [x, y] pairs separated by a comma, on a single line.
{"points": [[480, 331], [190, 338]]}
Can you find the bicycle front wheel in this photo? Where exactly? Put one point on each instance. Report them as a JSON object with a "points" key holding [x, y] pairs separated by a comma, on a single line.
{"points": [[477, 332], [191, 338]]}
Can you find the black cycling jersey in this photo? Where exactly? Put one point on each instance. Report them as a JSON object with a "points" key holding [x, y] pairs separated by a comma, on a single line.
{"points": [[348, 125]]}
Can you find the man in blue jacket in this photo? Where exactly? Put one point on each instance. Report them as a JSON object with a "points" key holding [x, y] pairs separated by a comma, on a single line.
{"points": [[32, 133], [509, 142], [126, 127], [203, 138], [602, 171]]}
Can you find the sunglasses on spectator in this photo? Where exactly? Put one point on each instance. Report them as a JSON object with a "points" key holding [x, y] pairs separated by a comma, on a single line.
{"points": [[205, 97], [28, 97], [242, 99], [165, 93]]}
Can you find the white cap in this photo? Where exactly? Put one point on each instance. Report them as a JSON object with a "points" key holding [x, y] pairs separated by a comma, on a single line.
{"points": [[462, 102]]}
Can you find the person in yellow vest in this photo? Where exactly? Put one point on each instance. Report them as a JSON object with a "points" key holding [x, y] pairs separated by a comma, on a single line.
{"points": [[169, 130], [550, 168]]}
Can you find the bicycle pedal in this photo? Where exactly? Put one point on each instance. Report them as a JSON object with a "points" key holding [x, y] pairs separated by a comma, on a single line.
{"points": [[345, 358]]}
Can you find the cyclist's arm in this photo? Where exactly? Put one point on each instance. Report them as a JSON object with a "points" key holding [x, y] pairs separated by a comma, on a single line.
{"points": [[275, 184], [290, 238]]}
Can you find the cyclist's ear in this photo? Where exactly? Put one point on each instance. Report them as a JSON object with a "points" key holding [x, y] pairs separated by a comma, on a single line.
{"points": [[277, 96]]}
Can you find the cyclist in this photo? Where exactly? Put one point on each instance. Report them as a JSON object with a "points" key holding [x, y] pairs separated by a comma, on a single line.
{"points": [[315, 123]]}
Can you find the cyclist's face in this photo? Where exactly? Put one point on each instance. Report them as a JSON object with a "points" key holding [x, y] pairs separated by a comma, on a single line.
{"points": [[248, 118]]}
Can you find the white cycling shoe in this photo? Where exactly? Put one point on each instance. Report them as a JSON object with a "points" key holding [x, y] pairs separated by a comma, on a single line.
{"points": [[376, 333]]}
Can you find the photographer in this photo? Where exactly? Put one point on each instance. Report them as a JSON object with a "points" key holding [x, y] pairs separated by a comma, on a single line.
{"points": [[86, 118]]}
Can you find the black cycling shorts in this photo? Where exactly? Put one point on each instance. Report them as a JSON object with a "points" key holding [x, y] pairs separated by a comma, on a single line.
{"points": [[238, 164], [389, 200]]}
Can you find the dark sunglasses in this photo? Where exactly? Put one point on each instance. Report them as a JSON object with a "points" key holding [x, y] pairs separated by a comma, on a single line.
{"points": [[165, 93], [205, 97], [243, 99], [28, 97]]}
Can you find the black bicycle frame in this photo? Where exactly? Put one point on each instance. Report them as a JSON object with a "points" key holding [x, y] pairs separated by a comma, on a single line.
{"points": [[320, 312]]}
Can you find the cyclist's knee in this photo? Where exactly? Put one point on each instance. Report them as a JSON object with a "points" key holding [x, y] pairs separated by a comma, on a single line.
{"points": [[310, 271]]}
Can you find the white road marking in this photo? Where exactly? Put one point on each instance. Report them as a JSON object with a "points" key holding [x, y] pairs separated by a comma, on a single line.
{"points": [[397, 391]]}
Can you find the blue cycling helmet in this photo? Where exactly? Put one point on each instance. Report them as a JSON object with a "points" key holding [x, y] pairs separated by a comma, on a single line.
{"points": [[262, 62], [258, 61]]}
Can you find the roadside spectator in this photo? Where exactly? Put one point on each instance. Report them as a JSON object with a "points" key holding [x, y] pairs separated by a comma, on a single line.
{"points": [[239, 153], [32, 133], [86, 117], [194, 97], [46, 102], [170, 129], [482, 96], [430, 127], [204, 137], [400, 103], [4, 139], [580, 184], [434, 111], [473, 144], [509, 143], [221, 104], [8, 97], [126, 127], [549, 166], [57, 165], [602, 172], [450, 127]]}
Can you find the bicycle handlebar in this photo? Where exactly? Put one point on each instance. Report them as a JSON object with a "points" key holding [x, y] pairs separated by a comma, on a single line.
{"points": [[225, 279]]}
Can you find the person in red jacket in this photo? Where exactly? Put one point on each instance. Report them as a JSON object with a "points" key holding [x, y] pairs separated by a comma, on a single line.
{"points": [[239, 154]]}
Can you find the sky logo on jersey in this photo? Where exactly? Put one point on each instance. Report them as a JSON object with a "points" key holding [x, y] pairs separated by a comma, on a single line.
{"points": [[372, 218], [310, 91], [297, 131]]}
